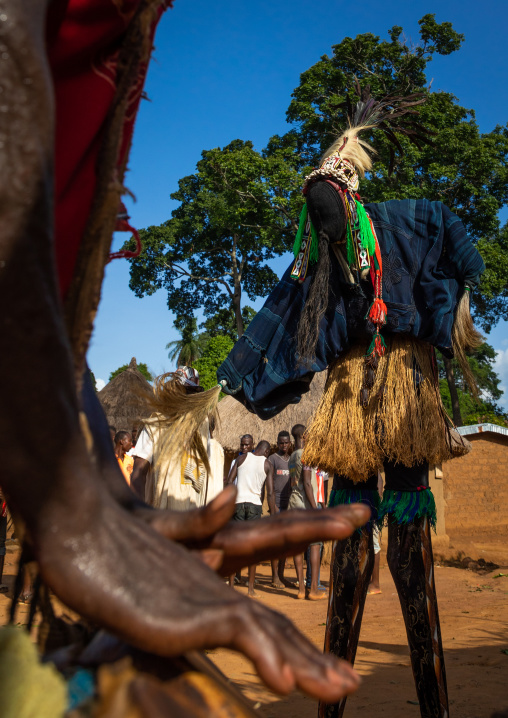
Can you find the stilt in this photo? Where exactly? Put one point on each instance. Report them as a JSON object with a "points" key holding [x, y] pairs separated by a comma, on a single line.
{"points": [[350, 574], [411, 565]]}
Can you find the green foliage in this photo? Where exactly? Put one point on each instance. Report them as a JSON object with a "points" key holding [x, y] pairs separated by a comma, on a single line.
{"points": [[223, 322], [472, 410], [93, 379], [215, 352], [236, 213], [190, 347], [492, 303], [142, 368]]}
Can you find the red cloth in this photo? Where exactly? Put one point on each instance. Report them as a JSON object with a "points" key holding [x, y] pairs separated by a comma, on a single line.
{"points": [[84, 38]]}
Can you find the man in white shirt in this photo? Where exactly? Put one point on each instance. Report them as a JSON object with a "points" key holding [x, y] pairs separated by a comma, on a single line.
{"points": [[251, 471]]}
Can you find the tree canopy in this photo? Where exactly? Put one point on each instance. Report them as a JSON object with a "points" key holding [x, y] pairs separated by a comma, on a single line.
{"points": [[238, 211], [190, 347], [141, 367], [224, 322], [216, 350]]}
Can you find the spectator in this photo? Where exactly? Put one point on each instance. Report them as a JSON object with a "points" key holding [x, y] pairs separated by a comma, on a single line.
{"points": [[246, 446], [123, 444], [251, 471], [134, 434], [307, 492], [282, 490], [374, 585]]}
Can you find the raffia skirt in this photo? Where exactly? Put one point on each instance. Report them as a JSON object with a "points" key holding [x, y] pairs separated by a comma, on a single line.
{"points": [[404, 419]]}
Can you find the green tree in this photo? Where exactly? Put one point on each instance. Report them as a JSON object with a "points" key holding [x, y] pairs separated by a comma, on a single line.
{"points": [[215, 352], [224, 322], [190, 347], [93, 379], [236, 212], [470, 410], [141, 367]]}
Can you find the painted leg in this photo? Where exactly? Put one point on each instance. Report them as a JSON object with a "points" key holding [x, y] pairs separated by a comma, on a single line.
{"points": [[350, 573], [412, 568]]}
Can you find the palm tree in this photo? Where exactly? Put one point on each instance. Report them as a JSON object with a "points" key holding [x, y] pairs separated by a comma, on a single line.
{"points": [[190, 347]]}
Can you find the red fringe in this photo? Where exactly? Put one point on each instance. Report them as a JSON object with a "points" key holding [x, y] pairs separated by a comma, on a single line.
{"points": [[122, 225], [379, 346]]}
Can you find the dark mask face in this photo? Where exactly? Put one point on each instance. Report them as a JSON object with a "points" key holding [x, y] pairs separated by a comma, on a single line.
{"points": [[327, 214], [326, 211]]}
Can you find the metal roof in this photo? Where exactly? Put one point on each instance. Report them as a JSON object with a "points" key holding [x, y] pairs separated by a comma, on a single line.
{"points": [[482, 428]]}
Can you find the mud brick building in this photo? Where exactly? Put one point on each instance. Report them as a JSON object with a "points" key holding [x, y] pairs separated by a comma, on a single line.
{"points": [[472, 497]]}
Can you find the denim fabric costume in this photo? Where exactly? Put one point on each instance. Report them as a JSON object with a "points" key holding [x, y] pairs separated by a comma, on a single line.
{"points": [[427, 261]]}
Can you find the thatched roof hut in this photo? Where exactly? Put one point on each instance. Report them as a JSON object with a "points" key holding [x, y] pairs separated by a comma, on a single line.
{"points": [[235, 420], [125, 398]]}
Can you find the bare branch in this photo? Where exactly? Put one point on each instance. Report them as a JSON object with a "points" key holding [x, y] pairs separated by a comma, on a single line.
{"points": [[181, 272]]}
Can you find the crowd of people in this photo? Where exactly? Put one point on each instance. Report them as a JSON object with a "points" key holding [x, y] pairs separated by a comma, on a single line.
{"points": [[265, 476]]}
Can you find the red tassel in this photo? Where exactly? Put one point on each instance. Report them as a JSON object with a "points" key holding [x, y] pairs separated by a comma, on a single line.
{"points": [[377, 313], [379, 345]]}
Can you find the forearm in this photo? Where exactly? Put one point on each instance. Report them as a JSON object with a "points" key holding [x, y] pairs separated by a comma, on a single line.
{"points": [[139, 476], [271, 502], [41, 403], [307, 486]]}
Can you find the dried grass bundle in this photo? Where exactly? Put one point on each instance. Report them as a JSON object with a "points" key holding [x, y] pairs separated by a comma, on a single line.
{"points": [[352, 148], [465, 338], [404, 419], [178, 418]]}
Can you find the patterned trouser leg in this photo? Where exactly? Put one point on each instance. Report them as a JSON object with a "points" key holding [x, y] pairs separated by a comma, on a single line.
{"points": [[350, 574], [412, 568]]}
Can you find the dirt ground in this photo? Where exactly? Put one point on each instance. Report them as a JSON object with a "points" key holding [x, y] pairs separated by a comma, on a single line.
{"points": [[474, 622]]}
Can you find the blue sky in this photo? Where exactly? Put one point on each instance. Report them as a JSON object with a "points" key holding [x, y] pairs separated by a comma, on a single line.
{"points": [[226, 70]]}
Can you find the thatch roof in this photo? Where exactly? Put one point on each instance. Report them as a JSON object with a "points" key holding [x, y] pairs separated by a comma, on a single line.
{"points": [[124, 399], [235, 420]]}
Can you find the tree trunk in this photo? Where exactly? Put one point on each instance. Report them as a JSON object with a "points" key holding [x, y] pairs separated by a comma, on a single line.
{"points": [[454, 395], [237, 308]]}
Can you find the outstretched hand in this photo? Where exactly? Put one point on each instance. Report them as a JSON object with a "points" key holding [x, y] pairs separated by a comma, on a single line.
{"points": [[228, 546]]}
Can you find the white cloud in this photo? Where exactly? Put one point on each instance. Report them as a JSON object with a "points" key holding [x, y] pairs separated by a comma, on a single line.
{"points": [[501, 367], [100, 384]]}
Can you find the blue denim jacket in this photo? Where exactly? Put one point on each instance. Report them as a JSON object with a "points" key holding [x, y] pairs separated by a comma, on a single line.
{"points": [[427, 261]]}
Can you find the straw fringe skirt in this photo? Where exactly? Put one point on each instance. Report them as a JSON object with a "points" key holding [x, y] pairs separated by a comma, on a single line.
{"points": [[404, 420]]}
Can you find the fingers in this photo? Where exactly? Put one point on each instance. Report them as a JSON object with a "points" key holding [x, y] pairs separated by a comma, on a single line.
{"points": [[286, 534], [211, 557], [196, 526], [285, 659]]}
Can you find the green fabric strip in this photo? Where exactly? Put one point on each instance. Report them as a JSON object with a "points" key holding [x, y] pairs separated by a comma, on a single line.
{"points": [[367, 238], [405, 506], [350, 250], [301, 230], [342, 497]]}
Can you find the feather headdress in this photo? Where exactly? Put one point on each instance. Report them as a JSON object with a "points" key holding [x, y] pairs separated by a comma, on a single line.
{"points": [[394, 114]]}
